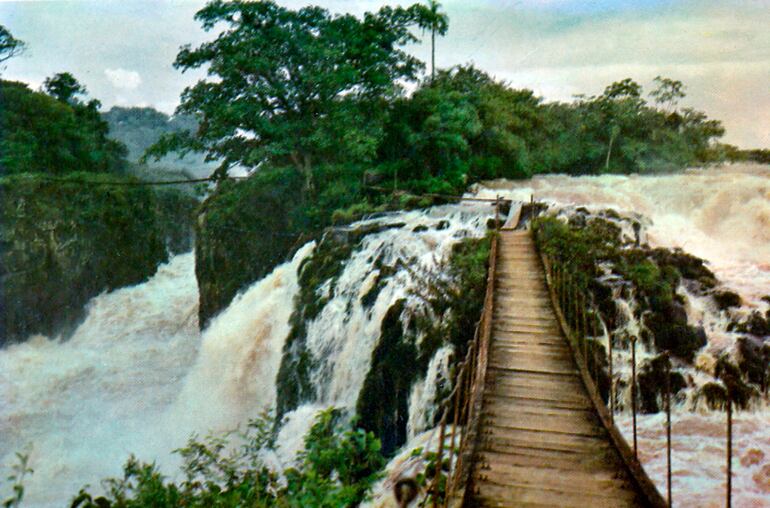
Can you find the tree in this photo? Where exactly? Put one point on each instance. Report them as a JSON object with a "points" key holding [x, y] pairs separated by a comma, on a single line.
{"points": [[9, 45], [64, 87], [668, 93], [293, 88], [436, 22]]}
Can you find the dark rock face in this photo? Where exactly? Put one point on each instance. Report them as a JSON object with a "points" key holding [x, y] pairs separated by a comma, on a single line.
{"points": [[383, 404], [243, 231], [62, 244], [652, 384], [726, 299], [754, 360], [672, 333]]}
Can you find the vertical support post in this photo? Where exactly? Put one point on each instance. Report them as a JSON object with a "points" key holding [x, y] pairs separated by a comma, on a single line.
{"points": [[729, 501], [497, 213], [633, 393], [455, 421], [668, 427], [612, 377], [439, 461]]}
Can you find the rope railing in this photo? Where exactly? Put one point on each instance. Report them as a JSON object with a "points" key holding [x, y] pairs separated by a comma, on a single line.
{"points": [[574, 307], [462, 407]]}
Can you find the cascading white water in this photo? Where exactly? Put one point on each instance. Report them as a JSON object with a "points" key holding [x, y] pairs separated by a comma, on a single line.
{"points": [[343, 336], [138, 377], [723, 216]]}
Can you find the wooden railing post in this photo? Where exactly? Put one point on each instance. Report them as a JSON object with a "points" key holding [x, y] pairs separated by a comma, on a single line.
{"points": [[612, 378], [729, 494], [668, 426], [633, 392]]}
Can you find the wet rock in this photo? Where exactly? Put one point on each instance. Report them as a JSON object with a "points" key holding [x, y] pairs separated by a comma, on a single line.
{"points": [[755, 325], [442, 225], [419, 229], [715, 395], [726, 299], [689, 266], [383, 404], [753, 360], [739, 391], [672, 333], [652, 384]]}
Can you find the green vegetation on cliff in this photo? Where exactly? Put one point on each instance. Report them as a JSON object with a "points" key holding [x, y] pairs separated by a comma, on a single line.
{"points": [[72, 224], [40, 133], [603, 262], [62, 243]]}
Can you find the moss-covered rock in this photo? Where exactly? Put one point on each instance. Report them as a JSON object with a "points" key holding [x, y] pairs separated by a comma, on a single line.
{"points": [[726, 299], [319, 270], [244, 230], [63, 242], [383, 403], [754, 360], [652, 384]]}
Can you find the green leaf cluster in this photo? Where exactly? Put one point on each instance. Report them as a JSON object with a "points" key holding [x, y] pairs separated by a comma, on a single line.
{"points": [[336, 468], [42, 134]]}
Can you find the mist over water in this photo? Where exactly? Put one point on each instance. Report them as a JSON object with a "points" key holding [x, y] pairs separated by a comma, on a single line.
{"points": [[138, 377]]}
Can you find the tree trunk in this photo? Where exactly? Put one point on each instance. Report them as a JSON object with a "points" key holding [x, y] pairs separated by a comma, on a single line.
{"points": [[307, 170], [432, 54], [609, 152]]}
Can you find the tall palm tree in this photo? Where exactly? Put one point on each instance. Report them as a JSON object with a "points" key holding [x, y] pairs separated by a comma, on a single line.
{"points": [[438, 23]]}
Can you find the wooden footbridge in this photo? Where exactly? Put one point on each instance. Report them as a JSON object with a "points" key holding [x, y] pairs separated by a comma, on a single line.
{"points": [[537, 432]]}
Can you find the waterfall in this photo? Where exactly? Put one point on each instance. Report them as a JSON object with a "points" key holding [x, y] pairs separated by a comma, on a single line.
{"points": [[723, 216], [137, 376]]}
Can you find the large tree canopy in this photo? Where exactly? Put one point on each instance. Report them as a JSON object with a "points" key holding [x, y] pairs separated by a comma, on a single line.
{"points": [[9, 45], [294, 88]]}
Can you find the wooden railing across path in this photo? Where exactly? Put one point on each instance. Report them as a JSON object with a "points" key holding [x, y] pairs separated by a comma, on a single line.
{"points": [[541, 441], [524, 425]]}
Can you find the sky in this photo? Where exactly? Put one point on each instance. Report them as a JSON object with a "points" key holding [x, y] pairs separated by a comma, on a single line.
{"points": [[123, 50]]}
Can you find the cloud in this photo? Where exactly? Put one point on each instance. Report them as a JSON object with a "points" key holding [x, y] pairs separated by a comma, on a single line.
{"points": [[123, 79]]}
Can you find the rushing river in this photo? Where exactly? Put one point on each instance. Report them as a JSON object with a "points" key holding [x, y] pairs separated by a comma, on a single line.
{"points": [[137, 376], [723, 216]]}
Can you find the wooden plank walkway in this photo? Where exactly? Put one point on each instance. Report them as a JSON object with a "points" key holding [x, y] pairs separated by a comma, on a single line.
{"points": [[541, 442]]}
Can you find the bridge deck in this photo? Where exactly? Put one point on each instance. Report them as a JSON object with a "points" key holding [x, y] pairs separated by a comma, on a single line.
{"points": [[541, 441]]}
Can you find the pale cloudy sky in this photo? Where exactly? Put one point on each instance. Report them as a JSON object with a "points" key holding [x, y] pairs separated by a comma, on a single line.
{"points": [[123, 49]]}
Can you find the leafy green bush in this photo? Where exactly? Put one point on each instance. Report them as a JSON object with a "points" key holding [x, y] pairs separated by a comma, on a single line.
{"points": [[337, 468]]}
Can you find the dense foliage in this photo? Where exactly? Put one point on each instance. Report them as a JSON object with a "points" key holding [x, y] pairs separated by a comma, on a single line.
{"points": [[294, 88], [62, 243], [43, 134]]}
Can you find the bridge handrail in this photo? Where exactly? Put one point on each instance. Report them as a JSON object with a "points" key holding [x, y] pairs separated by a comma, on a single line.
{"points": [[463, 404], [564, 292]]}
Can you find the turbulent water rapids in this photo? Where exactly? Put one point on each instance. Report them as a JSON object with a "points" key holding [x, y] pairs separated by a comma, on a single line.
{"points": [[137, 376]]}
